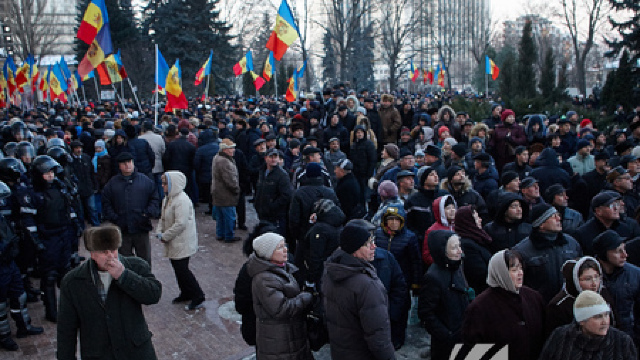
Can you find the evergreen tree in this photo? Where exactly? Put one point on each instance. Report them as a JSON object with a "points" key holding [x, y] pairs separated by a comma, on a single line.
{"points": [[629, 30], [527, 54], [188, 30], [560, 92], [329, 61], [507, 81], [361, 60], [282, 76], [548, 75], [618, 90]]}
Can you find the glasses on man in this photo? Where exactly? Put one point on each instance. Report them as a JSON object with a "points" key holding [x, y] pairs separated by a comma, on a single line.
{"points": [[371, 242], [614, 206]]}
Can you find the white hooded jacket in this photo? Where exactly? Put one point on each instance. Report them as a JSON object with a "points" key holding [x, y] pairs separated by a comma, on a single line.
{"points": [[178, 220]]}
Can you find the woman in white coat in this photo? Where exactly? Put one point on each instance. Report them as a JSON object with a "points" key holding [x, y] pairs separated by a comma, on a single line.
{"points": [[177, 231]]}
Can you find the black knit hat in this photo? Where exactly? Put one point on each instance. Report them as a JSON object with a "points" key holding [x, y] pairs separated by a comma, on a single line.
{"points": [[451, 172], [507, 177], [432, 150], [541, 213], [604, 242], [459, 149], [352, 237], [552, 191]]}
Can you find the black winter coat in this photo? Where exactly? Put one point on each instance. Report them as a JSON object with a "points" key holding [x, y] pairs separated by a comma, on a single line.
{"points": [[568, 342], [624, 286], [357, 312], [145, 158], [179, 156], [302, 205], [203, 158], [476, 264], [82, 168], [348, 192], [404, 247], [548, 171], [243, 300], [419, 212], [507, 235], [390, 274], [543, 259], [131, 204], [593, 227], [363, 156], [273, 194]]}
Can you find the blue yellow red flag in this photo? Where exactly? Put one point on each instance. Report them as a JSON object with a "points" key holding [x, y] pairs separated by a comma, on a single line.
{"points": [[245, 64], [94, 18], [175, 96], [204, 70], [269, 66], [284, 33]]}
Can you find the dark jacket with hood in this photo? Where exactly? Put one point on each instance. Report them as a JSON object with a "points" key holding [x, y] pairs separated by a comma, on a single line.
{"points": [[280, 310], [319, 243], [179, 156], [443, 297], [363, 155], [420, 214], [506, 235], [467, 196], [543, 255], [302, 204], [204, 156], [357, 311], [548, 171], [403, 244], [115, 150], [348, 192], [560, 308], [539, 136], [486, 182]]}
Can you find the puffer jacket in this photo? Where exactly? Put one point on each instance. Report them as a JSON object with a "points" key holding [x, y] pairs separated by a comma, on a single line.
{"points": [[131, 204], [543, 257], [506, 235], [280, 308], [443, 297], [624, 286], [403, 244], [204, 157], [440, 223], [318, 244], [356, 309], [178, 219]]}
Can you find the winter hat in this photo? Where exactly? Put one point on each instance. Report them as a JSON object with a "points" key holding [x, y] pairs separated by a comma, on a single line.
{"points": [[227, 144], [585, 122], [552, 191], [101, 238], [443, 129], [505, 113], [451, 141], [583, 143], [459, 150], [570, 113], [604, 198], [498, 273], [392, 150], [451, 172], [540, 213], [352, 237], [588, 304], [423, 172], [99, 143], [313, 170], [608, 240], [433, 150], [405, 152], [528, 181], [265, 244], [387, 189], [507, 177]]}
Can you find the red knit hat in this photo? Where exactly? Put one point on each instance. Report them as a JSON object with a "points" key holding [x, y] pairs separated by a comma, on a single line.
{"points": [[585, 122], [505, 113], [443, 129]]}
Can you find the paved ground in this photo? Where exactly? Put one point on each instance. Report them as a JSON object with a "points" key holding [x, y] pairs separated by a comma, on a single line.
{"points": [[209, 333]]}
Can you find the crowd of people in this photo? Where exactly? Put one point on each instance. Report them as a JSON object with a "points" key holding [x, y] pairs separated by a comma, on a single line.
{"points": [[516, 229]]}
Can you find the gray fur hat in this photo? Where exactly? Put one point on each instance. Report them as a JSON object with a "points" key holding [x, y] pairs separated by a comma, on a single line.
{"points": [[101, 238]]}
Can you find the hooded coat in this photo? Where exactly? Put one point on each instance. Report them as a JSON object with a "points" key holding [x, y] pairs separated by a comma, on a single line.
{"points": [[560, 308], [474, 242], [357, 311], [467, 196], [178, 219], [443, 297], [280, 307], [506, 235], [548, 171], [403, 244], [441, 223], [503, 315]]}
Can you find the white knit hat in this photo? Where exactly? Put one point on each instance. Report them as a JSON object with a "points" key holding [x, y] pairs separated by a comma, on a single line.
{"points": [[588, 304], [265, 244]]}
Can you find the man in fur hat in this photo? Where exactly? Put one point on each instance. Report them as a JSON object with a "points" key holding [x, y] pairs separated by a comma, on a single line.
{"points": [[102, 300]]}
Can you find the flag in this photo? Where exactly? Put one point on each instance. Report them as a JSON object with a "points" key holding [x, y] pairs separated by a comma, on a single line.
{"points": [[121, 71], [109, 71], [491, 68], [9, 72], [257, 80], [269, 65], [291, 93], [430, 75], [90, 75], [57, 85], [93, 20], [65, 68], [44, 81], [99, 48], [204, 70], [246, 63], [415, 72], [284, 33], [3, 85], [22, 75], [299, 75], [441, 76], [77, 79], [425, 76], [162, 71], [175, 95]]}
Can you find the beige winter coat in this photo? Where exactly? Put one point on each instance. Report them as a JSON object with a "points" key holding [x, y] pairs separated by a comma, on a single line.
{"points": [[178, 220], [225, 186]]}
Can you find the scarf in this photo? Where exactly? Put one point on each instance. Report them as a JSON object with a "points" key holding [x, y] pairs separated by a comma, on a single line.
{"points": [[95, 159], [498, 275], [465, 226]]}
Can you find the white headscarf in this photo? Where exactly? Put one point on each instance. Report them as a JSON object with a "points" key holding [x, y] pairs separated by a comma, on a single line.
{"points": [[498, 275]]}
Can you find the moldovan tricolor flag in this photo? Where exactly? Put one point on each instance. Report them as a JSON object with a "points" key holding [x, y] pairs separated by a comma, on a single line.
{"points": [[94, 18], [9, 71], [491, 68], [100, 45], [284, 33], [415, 72], [57, 84], [175, 95], [269, 65], [162, 71], [204, 70], [246, 63]]}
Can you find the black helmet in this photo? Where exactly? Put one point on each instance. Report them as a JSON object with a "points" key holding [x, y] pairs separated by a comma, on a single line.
{"points": [[11, 169], [10, 148], [25, 148], [19, 130], [45, 163], [60, 155], [55, 142], [5, 192]]}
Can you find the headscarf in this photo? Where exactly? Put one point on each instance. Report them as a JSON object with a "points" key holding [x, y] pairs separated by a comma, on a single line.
{"points": [[498, 275], [465, 226]]}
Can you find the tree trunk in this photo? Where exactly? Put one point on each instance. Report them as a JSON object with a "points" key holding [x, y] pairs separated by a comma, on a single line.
{"points": [[581, 73]]}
